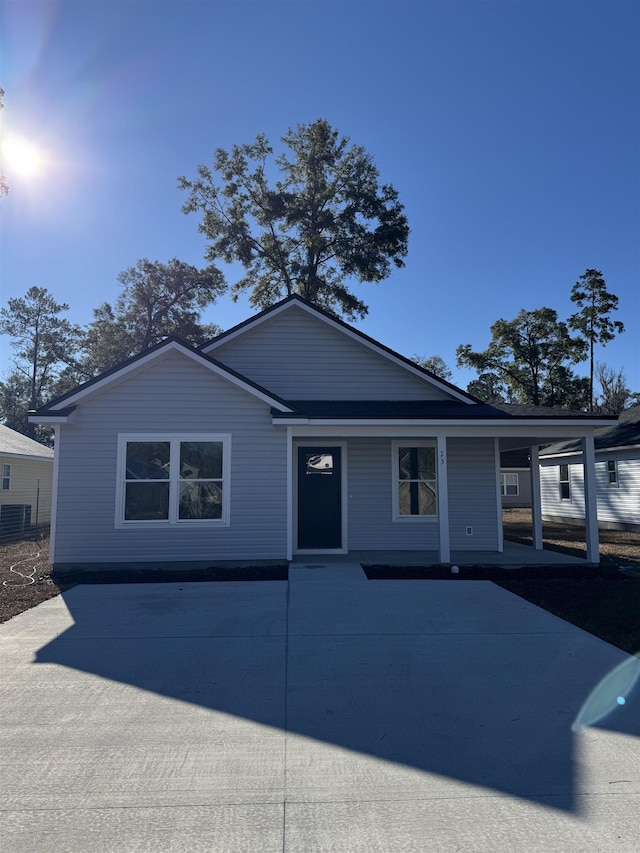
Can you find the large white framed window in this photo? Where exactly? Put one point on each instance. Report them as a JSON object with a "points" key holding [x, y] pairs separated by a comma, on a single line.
{"points": [[6, 476], [509, 484], [173, 479], [415, 492]]}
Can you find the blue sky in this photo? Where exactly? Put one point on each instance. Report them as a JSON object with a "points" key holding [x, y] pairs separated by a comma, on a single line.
{"points": [[510, 130]]}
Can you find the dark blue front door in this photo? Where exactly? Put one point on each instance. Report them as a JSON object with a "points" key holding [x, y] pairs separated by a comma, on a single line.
{"points": [[319, 497]]}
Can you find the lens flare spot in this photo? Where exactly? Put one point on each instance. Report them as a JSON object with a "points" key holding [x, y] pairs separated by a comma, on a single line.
{"points": [[621, 700]]}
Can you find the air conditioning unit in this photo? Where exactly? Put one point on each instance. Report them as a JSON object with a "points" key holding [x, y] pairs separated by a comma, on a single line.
{"points": [[15, 519]]}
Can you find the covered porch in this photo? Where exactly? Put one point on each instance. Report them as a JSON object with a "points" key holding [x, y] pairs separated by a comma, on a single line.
{"points": [[513, 556]]}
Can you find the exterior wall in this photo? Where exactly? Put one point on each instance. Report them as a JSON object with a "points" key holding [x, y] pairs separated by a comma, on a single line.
{"points": [[312, 361], [472, 499], [370, 502], [618, 504], [31, 483], [172, 395], [523, 498]]}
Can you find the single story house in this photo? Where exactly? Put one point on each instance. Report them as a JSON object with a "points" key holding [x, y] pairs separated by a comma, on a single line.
{"points": [[26, 469], [292, 433], [617, 455], [515, 478]]}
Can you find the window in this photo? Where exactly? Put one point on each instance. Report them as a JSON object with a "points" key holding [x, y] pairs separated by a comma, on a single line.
{"points": [[174, 479], [414, 477], [6, 477], [565, 486], [509, 484], [612, 472]]}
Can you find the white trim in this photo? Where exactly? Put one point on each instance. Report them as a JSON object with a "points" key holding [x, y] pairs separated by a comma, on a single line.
{"points": [[353, 334], [175, 439], [123, 372], [536, 499], [550, 428], [290, 481], [590, 499], [54, 494], [611, 448], [343, 499], [442, 495], [53, 418], [499, 474], [395, 480]]}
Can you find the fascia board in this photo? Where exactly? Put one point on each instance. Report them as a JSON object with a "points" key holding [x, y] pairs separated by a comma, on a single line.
{"points": [[570, 429], [121, 374], [25, 457], [612, 448]]}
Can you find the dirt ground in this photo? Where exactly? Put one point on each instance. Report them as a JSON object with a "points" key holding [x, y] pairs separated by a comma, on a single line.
{"points": [[617, 547], [25, 578]]}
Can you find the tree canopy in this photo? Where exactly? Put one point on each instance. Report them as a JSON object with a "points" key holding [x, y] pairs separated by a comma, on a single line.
{"points": [[590, 294], [43, 343], [157, 300], [325, 220], [435, 364], [532, 355]]}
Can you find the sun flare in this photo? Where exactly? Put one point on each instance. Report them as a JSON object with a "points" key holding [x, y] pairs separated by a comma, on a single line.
{"points": [[20, 156]]}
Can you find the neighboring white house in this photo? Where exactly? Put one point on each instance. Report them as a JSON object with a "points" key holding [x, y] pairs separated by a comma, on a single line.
{"points": [[515, 479], [617, 454], [26, 476], [291, 434]]}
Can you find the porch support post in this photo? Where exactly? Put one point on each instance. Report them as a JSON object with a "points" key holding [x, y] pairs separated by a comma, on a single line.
{"points": [[496, 444], [590, 499], [443, 499], [536, 502], [289, 494]]}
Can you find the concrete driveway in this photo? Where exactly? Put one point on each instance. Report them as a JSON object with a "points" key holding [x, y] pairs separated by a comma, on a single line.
{"points": [[329, 713]]}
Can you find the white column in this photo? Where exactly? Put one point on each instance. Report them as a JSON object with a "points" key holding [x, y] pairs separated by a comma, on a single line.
{"points": [[590, 499], [443, 499], [289, 494], [496, 444], [536, 502]]}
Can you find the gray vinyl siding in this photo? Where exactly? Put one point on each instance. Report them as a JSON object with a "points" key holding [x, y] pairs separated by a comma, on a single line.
{"points": [[299, 357], [370, 502], [617, 504], [473, 499], [172, 395], [523, 498]]}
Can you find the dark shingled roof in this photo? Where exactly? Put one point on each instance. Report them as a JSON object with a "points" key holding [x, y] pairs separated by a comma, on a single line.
{"points": [[625, 433]]}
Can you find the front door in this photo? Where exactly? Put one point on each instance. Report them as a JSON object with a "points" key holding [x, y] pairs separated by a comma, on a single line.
{"points": [[319, 498]]}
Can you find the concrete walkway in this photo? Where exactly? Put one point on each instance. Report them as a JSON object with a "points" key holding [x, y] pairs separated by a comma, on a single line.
{"points": [[330, 713]]}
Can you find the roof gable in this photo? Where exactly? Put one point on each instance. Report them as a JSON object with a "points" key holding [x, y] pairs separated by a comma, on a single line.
{"points": [[252, 347], [139, 362]]}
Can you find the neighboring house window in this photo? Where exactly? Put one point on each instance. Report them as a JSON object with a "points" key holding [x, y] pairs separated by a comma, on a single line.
{"points": [[174, 479], [612, 472], [6, 477], [565, 486], [509, 484], [414, 477]]}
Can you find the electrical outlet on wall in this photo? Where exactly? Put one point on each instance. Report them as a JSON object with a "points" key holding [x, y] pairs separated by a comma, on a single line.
{"points": [[469, 531]]}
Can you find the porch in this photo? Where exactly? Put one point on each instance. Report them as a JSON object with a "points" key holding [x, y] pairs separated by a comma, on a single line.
{"points": [[514, 556]]}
